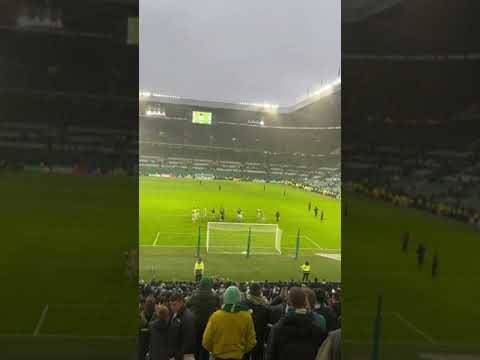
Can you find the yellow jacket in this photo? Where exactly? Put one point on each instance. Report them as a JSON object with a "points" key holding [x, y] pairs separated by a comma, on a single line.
{"points": [[305, 268], [229, 335], [199, 267]]}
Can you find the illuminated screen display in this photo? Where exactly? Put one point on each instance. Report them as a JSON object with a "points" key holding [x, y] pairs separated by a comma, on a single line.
{"points": [[200, 117]]}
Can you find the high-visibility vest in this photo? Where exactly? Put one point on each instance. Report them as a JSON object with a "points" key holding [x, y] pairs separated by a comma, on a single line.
{"points": [[306, 268], [199, 266]]}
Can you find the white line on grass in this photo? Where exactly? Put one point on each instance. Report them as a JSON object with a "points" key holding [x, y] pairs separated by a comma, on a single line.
{"points": [[335, 257], [415, 329], [239, 247], [40, 321], [313, 242], [156, 239], [318, 247]]}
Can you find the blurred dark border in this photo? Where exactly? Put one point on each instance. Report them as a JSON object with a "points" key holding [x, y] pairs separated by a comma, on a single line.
{"points": [[410, 91], [68, 173]]}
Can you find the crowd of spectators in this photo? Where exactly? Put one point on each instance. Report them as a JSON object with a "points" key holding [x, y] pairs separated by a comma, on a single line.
{"points": [[441, 178], [219, 319]]}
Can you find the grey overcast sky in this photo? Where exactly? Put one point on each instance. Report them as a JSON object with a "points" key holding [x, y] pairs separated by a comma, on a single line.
{"points": [[239, 50]]}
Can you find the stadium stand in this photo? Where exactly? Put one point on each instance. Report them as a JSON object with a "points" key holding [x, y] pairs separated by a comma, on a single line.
{"points": [[80, 69], [266, 301], [422, 147], [244, 144]]}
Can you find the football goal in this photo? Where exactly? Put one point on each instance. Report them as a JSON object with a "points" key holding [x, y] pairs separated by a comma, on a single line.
{"points": [[243, 238]]}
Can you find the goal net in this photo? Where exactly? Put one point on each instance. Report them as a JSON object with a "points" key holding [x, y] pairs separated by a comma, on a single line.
{"points": [[243, 238]]}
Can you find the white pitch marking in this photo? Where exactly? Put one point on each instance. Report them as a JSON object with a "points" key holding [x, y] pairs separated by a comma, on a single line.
{"points": [[156, 239], [313, 242], [416, 329], [41, 321]]}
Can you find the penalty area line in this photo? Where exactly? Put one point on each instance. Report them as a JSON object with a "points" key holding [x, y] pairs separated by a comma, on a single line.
{"points": [[40, 321], [415, 329], [156, 239], [313, 242]]}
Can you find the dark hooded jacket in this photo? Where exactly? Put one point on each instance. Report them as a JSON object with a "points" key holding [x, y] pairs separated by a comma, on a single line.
{"points": [[159, 345], [296, 336]]}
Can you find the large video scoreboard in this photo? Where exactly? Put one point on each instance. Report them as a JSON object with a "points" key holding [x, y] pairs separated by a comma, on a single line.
{"points": [[201, 117]]}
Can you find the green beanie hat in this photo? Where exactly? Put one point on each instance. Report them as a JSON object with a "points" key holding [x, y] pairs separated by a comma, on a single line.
{"points": [[206, 283], [231, 296]]}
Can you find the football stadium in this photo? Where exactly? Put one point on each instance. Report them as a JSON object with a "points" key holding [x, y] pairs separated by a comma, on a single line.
{"points": [[240, 180], [215, 176], [410, 170]]}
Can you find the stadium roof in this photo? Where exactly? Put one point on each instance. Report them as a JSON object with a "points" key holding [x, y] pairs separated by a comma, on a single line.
{"points": [[252, 51], [357, 10], [324, 91]]}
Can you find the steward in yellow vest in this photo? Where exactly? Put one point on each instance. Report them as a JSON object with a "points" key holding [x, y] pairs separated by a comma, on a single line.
{"points": [[306, 270], [198, 269]]}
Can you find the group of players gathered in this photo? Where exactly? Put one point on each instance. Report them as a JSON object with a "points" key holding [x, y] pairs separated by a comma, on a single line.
{"points": [[196, 214], [260, 216]]}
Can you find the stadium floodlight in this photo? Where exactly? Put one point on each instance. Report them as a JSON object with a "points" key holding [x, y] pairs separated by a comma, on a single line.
{"points": [[235, 238], [166, 96], [327, 88], [155, 113]]}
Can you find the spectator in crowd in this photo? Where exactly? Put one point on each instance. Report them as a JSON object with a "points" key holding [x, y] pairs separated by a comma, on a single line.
{"points": [[311, 305], [182, 329], [297, 335], [149, 308], [278, 306], [326, 311], [336, 304], [147, 313], [202, 296], [203, 303], [261, 315], [331, 347], [230, 332], [159, 346], [143, 336]]}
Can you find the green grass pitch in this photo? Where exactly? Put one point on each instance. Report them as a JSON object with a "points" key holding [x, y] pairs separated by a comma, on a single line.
{"points": [[168, 236], [63, 243], [421, 314]]}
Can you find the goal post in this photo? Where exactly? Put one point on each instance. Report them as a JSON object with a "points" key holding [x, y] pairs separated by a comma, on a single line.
{"points": [[243, 238]]}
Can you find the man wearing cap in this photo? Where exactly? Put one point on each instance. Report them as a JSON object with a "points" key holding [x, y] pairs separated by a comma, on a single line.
{"points": [[203, 303], [230, 332]]}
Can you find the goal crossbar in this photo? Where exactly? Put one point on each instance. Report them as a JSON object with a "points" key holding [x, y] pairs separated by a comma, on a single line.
{"points": [[233, 237]]}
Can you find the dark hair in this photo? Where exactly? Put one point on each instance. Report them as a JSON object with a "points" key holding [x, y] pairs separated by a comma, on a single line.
{"points": [[321, 296], [176, 297], [162, 312], [255, 289], [310, 294], [297, 297]]}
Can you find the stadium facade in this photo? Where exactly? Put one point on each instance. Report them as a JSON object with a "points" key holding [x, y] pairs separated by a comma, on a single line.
{"points": [[262, 142]]}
